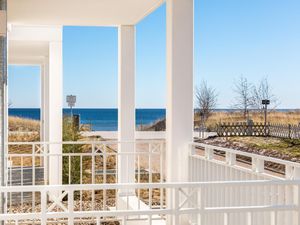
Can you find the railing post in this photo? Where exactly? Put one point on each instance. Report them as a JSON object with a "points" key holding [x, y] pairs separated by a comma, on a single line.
{"points": [[71, 207], [258, 165], [289, 172], [45, 155], [176, 215], [226, 219], [293, 192], [296, 197], [43, 207], [201, 202], [209, 153], [289, 192], [249, 218], [230, 158], [192, 149], [273, 215]]}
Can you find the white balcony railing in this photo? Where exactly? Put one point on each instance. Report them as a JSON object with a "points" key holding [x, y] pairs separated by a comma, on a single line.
{"points": [[219, 163], [84, 162], [187, 203], [226, 187], [211, 163]]}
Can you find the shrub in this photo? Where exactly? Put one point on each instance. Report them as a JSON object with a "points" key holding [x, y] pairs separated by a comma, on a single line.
{"points": [[71, 164]]}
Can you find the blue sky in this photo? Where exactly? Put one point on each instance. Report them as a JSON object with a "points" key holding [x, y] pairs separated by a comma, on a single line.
{"points": [[256, 38]]}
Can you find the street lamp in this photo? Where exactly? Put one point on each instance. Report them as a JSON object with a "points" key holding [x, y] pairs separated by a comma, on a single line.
{"points": [[265, 102]]}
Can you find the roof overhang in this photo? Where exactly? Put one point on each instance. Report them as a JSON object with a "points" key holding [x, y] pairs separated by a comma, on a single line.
{"points": [[79, 12], [27, 53], [29, 45]]}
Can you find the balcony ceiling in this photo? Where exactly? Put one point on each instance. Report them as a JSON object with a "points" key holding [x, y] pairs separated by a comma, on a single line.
{"points": [[79, 12]]}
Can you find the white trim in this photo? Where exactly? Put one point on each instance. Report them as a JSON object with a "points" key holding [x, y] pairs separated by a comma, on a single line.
{"points": [[36, 33]]}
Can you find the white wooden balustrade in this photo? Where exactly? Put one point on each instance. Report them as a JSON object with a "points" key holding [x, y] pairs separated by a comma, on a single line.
{"points": [[189, 199], [212, 163], [226, 187]]}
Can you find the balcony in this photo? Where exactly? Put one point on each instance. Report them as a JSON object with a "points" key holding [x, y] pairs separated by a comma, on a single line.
{"points": [[174, 182]]}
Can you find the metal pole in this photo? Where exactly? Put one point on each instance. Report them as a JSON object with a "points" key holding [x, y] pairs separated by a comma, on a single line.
{"points": [[3, 83], [72, 126], [266, 113]]}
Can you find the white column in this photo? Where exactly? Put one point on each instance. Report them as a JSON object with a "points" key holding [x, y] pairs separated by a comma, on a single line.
{"points": [[53, 110], [43, 103], [180, 114], [126, 103]]}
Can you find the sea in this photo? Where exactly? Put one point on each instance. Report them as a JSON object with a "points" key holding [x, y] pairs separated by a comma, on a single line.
{"points": [[97, 119], [105, 119]]}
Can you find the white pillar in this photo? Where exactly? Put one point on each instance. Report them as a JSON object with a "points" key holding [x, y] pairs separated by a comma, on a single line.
{"points": [[126, 103], [180, 60], [180, 114], [43, 103], [53, 110]]}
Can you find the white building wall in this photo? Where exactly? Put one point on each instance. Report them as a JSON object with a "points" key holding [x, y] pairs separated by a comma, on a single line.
{"points": [[3, 97]]}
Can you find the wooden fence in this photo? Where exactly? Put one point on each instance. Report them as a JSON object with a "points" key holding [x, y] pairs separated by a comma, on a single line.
{"points": [[284, 131], [258, 130]]}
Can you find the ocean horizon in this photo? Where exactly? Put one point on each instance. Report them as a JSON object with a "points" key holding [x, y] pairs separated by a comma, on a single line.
{"points": [[106, 119], [99, 119]]}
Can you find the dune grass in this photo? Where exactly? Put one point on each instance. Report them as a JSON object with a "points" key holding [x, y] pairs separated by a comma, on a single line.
{"points": [[23, 130], [292, 117], [23, 125]]}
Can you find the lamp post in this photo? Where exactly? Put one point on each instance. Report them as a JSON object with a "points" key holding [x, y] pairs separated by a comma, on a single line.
{"points": [[265, 102]]}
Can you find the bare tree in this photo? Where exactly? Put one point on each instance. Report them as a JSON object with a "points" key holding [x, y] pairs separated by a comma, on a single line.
{"points": [[263, 91], [244, 99], [206, 100]]}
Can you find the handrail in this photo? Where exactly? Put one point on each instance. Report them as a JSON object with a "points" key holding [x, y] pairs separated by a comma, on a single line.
{"points": [[173, 185], [84, 142], [243, 153]]}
